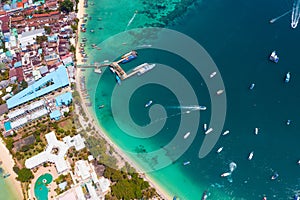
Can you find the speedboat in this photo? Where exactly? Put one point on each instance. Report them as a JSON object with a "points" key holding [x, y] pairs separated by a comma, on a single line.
{"points": [[287, 77], [112, 69], [208, 131], [252, 86], [225, 132], [186, 163], [102, 106], [219, 150], [187, 135], [288, 122], [298, 162], [256, 131], [219, 92], [275, 176], [273, 57], [148, 104], [205, 127], [250, 155], [226, 174], [204, 195], [202, 108], [212, 74]]}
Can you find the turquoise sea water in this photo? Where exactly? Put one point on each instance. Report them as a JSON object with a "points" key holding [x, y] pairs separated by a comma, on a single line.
{"points": [[239, 38], [6, 188]]}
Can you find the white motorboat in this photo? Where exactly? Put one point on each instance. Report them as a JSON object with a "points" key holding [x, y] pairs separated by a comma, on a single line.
{"points": [[287, 77], [205, 127], [212, 74], [209, 131], [148, 104], [225, 132], [256, 131], [187, 135], [250, 155], [226, 174], [219, 92], [219, 150]]}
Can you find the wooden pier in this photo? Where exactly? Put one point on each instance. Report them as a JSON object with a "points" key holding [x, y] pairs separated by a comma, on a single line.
{"points": [[115, 65]]}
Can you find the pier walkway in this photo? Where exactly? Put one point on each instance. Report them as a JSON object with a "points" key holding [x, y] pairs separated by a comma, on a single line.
{"points": [[115, 65]]}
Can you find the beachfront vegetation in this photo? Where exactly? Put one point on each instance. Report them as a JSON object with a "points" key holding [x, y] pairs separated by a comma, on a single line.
{"points": [[25, 175], [128, 185]]}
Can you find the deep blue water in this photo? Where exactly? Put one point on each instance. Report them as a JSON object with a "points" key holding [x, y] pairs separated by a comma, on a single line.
{"points": [[239, 38]]}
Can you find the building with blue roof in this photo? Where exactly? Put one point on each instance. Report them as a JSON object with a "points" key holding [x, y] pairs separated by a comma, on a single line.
{"points": [[18, 64], [64, 99], [52, 38], [56, 114], [53, 81]]}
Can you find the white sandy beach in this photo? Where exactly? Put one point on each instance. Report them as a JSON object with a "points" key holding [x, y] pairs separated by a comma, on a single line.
{"points": [[8, 164], [94, 121]]}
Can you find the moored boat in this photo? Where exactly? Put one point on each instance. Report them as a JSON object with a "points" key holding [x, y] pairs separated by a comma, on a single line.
{"points": [[186, 163], [145, 69], [296, 197], [187, 135], [288, 122], [219, 150], [208, 131], [212, 74], [273, 57], [225, 132], [6, 175], [226, 174], [252, 86], [204, 127], [101, 106], [287, 77], [219, 92], [250, 155], [204, 195], [118, 79], [275, 176], [256, 131]]}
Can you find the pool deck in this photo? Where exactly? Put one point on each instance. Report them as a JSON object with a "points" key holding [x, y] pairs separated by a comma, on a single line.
{"points": [[43, 170]]}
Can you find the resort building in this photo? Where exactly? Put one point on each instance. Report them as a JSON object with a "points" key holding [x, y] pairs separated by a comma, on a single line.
{"points": [[55, 152], [53, 81]]}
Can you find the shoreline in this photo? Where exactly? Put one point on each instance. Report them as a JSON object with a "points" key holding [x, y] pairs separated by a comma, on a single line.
{"points": [[7, 165], [160, 191]]}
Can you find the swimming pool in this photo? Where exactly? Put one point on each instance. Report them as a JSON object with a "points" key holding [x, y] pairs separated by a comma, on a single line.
{"points": [[40, 187], [7, 126]]}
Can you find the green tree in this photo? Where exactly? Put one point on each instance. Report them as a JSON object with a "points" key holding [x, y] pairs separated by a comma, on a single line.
{"points": [[9, 143], [25, 175], [66, 6], [24, 84], [47, 29]]}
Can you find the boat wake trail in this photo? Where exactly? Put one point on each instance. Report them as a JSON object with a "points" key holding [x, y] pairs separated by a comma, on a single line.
{"points": [[295, 14], [276, 18], [131, 20]]}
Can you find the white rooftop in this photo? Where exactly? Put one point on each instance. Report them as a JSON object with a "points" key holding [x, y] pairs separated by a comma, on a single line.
{"points": [[77, 141], [82, 169], [104, 184], [48, 156], [79, 193]]}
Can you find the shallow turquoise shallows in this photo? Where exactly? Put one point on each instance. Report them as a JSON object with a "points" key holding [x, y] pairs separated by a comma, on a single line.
{"points": [[40, 187]]}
